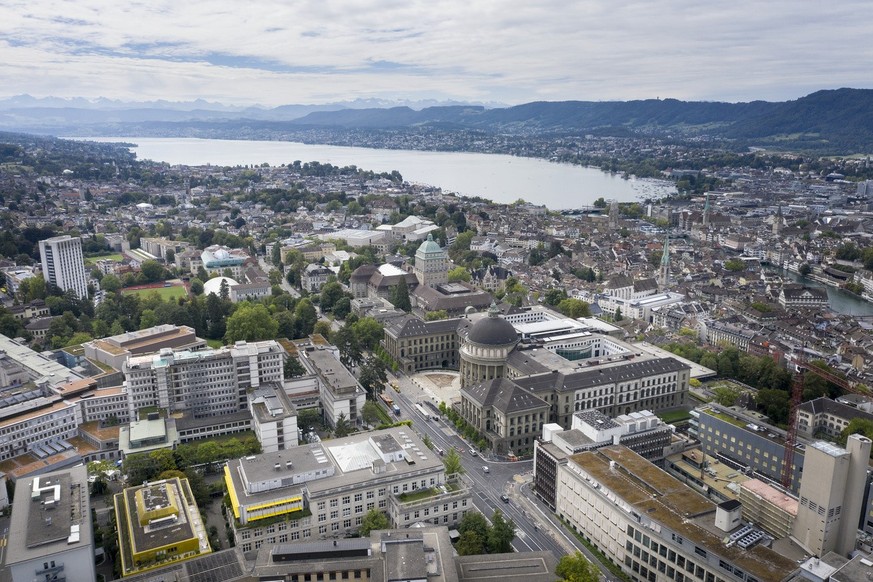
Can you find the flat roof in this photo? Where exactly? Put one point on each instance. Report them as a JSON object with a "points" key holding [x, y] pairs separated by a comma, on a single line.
{"points": [[772, 495], [656, 495], [37, 364], [520, 567], [46, 527]]}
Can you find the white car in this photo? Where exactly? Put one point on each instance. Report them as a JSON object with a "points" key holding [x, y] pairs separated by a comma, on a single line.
{"points": [[485, 469]]}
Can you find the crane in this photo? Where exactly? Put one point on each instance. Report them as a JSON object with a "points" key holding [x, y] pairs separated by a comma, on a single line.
{"points": [[796, 397]]}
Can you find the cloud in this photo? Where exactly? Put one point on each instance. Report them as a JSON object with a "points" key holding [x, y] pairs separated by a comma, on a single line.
{"points": [[275, 52]]}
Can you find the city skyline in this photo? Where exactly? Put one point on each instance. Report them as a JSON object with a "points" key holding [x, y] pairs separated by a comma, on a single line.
{"points": [[511, 53]]}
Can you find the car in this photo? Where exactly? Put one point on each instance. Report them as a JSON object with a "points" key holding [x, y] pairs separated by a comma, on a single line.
{"points": [[504, 498], [473, 452], [485, 469]]}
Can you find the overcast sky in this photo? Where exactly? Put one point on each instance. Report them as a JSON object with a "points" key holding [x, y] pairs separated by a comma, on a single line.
{"points": [[510, 52]]}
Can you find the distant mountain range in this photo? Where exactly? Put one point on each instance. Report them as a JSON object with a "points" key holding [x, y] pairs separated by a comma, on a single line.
{"points": [[831, 121]]}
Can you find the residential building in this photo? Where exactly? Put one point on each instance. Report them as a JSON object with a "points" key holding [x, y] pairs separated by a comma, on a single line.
{"points": [[314, 277], [64, 265], [158, 523], [823, 416], [50, 534]]}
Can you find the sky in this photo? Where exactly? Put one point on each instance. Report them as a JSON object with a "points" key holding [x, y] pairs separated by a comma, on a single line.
{"points": [[482, 51]]}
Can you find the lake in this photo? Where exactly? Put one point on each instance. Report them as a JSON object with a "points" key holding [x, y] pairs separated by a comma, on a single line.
{"points": [[500, 178]]}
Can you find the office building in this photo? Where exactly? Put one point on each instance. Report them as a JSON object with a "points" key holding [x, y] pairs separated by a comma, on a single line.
{"points": [[64, 265], [204, 382], [274, 418], [324, 490], [50, 534], [657, 529], [114, 350], [340, 393], [158, 523]]}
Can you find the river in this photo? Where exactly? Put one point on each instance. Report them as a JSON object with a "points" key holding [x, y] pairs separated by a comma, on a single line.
{"points": [[839, 300], [500, 178]]}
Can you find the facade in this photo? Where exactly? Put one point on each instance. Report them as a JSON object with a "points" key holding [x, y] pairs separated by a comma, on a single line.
{"points": [[204, 382], [323, 490], [509, 417], [768, 507], [158, 523], [64, 265], [653, 526], [42, 431], [825, 416], [50, 533], [745, 443], [831, 502], [431, 264], [421, 345], [314, 277], [274, 418], [799, 296], [339, 391], [485, 347]]}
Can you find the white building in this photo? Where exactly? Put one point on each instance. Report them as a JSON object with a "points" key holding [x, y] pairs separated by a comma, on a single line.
{"points": [[204, 382], [63, 264], [50, 534], [274, 418], [324, 490]]}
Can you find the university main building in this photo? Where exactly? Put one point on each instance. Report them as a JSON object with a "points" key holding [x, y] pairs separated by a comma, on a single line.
{"points": [[530, 367]]}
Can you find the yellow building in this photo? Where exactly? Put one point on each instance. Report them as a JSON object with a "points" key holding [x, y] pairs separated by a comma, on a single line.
{"points": [[158, 523]]}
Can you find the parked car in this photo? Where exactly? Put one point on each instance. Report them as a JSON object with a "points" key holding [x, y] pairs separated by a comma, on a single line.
{"points": [[485, 469]]}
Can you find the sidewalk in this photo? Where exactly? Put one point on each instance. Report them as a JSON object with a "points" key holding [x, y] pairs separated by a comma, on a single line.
{"points": [[535, 515]]}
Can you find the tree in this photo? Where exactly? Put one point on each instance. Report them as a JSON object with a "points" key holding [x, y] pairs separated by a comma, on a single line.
{"points": [[152, 271], [470, 544], [452, 462], [618, 315], [805, 269], [575, 568], [110, 283], [306, 316], [734, 265], [554, 296], [369, 332], [501, 534], [727, 395], [331, 292], [251, 323], [293, 367], [459, 273], [276, 254], [857, 426], [370, 412], [475, 522], [343, 427], [574, 308], [373, 376], [196, 286], [342, 308], [322, 328], [373, 520], [400, 297], [349, 348]]}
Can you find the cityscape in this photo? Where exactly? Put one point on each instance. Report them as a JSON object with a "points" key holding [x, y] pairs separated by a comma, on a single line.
{"points": [[436, 292]]}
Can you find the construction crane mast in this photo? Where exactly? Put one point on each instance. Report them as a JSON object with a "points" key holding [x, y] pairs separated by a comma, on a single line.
{"points": [[796, 398]]}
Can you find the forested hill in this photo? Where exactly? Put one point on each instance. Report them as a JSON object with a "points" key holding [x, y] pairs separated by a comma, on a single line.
{"points": [[833, 121]]}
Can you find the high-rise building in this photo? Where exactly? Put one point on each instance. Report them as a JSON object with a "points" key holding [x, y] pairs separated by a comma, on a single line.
{"points": [[832, 501], [63, 264]]}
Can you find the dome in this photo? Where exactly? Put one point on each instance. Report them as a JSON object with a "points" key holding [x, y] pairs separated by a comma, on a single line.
{"points": [[214, 285], [492, 330], [429, 246]]}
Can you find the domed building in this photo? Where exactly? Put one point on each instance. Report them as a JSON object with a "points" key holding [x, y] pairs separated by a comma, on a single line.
{"points": [[485, 347], [214, 286], [431, 263]]}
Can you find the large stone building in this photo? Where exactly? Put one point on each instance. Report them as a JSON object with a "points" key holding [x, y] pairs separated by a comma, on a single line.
{"points": [[421, 345], [485, 347], [323, 490], [64, 265], [431, 264]]}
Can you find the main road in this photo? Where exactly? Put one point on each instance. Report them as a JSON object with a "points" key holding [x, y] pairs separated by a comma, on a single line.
{"points": [[505, 485]]}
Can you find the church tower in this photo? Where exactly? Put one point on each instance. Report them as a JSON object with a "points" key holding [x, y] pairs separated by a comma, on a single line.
{"points": [[777, 222], [706, 213], [664, 269], [431, 263], [613, 215]]}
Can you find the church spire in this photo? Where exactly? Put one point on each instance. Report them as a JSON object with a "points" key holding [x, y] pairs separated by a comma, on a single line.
{"points": [[664, 270], [706, 213]]}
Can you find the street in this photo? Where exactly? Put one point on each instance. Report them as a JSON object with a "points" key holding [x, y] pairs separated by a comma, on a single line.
{"points": [[537, 529]]}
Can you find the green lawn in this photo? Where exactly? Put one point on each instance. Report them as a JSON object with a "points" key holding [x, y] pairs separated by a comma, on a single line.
{"points": [[93, 260], [674, 416], [214, 343], [165, 293]]}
